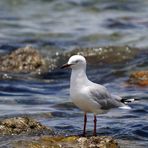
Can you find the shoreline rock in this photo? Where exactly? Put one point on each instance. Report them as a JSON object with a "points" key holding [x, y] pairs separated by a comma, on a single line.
{"points": [[23, 126], [33, 134], [69, 142]]}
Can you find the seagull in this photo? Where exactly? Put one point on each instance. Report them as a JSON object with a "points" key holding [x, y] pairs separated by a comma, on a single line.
{"points": [[90, 97]]}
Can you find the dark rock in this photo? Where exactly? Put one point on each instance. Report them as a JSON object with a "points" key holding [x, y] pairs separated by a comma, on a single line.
{"points": [[69, 142], [139, 78], [22, 125], [29, 60], [23, 60], [102, 55]]}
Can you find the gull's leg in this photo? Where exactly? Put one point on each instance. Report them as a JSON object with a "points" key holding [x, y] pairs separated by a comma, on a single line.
{"points": [[95, 124], [85, 121]]}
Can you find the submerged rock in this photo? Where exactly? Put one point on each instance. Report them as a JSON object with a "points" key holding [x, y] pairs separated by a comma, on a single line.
{"points": [[22, 125], [69, 142], [23, 60], [139, 78]]}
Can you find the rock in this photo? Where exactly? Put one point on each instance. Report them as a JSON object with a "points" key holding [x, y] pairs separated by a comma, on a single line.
{"points": [[39, 136], [102, 55], [139, 77], [29, 60], [22, 125], [68, 142], [24, 60]]}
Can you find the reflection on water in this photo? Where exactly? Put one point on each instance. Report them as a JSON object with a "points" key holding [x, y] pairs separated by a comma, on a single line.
{"points": [[68, 24]]}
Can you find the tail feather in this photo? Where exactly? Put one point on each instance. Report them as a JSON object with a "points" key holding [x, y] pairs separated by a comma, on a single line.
{"points": [[125, 101]]}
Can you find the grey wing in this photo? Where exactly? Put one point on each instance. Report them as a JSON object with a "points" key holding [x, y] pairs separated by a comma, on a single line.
{"points": [[107, 101]]}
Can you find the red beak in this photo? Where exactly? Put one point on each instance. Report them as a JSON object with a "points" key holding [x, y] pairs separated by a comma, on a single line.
{"points": [[66, 66]]}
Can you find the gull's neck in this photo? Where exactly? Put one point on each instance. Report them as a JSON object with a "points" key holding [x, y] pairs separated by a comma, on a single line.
{"points": [[78, 78]]}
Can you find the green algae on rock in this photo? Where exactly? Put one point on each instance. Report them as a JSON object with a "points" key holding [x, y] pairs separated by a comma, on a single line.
{"points": [[23, 60], [68, 142], [22, 125]]}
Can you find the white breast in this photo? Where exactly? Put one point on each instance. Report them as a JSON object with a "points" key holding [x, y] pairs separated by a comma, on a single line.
{"points": [[80, 97], [79, 92]]}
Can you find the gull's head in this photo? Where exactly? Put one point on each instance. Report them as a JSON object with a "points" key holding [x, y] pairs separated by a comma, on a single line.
{"points": [[76, 62]]}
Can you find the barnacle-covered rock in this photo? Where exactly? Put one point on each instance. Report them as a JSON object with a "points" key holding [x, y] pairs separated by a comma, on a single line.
{"points": [[24, 60], [22, 125]]}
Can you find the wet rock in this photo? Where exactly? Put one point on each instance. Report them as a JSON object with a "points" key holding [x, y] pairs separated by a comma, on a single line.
{"points": [[139, 78], [22, 125], [29, 60], [102, 55], [23, 60], [69, 142]]}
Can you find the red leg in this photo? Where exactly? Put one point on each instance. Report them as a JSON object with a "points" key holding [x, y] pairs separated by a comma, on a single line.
{"points": [[85, 121], [95, 124]]}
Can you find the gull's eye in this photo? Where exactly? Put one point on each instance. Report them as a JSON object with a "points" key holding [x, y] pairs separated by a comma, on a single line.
{"points": [[77, 61]]}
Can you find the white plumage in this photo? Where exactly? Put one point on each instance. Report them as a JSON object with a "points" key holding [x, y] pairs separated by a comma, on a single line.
{"points": [[89, 96]]}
